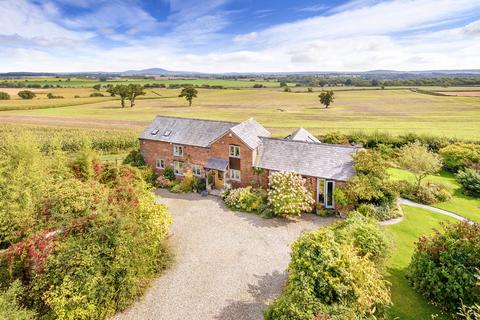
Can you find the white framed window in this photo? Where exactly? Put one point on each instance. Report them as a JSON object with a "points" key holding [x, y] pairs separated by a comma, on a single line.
{"points": [[178, 168], [235, 174], [234, 151], [160, 164], [196, 170], [178, 151]]}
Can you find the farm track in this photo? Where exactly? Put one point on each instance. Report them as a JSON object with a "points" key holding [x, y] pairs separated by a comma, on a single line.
{"points": [[72, 122]]}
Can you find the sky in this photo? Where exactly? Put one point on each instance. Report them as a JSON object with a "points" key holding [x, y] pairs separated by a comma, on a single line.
{"points": [[238, 35]]}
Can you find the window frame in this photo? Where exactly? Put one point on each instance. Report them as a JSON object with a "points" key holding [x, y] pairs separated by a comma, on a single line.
{"points": [[180, 173], [177, 147], [196, 166], [235, 178], [162, 166], [234, 148]]}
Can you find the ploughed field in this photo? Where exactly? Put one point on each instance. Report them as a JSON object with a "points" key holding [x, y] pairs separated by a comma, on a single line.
{"points": [[395, 110]]}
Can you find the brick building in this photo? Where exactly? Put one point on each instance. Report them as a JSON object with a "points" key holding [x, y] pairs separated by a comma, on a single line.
{"points": [[244, 154]]}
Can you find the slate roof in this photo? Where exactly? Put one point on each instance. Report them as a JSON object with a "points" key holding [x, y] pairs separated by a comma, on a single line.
{"points": [[201, 133], [216, 164], [193, 132], [250, 132], [310, 159], [302, 135]]}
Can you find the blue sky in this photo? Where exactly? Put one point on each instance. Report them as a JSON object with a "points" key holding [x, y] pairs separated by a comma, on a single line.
{"points": [[239, 35]]}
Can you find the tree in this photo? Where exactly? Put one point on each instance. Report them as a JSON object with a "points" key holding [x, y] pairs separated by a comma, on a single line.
{"points": [[97, 87], [326, 97], [4, 96], [283, 84], [133, 91], [189, 93], [26, 94], [417, 159], [122, 91]]}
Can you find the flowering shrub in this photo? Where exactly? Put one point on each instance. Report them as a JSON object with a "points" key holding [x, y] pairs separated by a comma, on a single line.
{"points": [[163, 182], [245, 199], [287, 194]]}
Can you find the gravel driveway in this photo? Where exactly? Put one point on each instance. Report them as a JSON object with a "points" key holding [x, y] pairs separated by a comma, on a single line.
{"points": [[228, 265]]}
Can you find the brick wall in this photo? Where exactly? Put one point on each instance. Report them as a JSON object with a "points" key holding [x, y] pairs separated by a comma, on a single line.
{"points": [[153, 150]]}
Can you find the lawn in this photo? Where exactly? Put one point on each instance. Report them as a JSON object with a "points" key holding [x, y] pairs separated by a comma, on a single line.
{"points": [[461, 204], [407, 303], [396, 111]]}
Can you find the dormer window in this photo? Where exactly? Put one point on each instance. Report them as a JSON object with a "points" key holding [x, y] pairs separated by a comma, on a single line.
{"points": [[154, 132], [178, 151], [234, 151], [167, 133]]}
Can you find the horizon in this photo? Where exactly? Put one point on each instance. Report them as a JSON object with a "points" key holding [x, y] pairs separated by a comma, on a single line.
{"points": [[230, 36]]}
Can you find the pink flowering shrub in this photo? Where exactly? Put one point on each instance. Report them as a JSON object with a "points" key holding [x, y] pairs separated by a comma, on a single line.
{"points": [[287, 194]]}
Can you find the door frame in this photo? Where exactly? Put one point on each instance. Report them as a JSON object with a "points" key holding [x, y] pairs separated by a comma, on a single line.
{"points": [[326, 181]]}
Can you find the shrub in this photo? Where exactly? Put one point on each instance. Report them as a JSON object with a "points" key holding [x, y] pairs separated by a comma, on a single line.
{"points": [[335, 137], [10, 307], [97, 94], [379, 212], [4, 96], [469, 312], [245, 199], [326, 276], [169, 173], [134, 158], [445, 266], [340, 199], [372, 183], [163, 182], [365, 235], [187, 183], [199, 184], [176, 188], [470, 180], [52, 96], [428, 193], [26, 94], [287, 194], [83, 245], [457, 156]]}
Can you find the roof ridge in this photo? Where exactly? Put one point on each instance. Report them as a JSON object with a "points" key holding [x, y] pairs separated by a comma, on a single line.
{"points": [[314, 143], [188, 118]]}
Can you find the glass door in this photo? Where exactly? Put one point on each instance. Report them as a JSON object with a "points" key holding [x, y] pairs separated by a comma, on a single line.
{"points": [[329, 186]]}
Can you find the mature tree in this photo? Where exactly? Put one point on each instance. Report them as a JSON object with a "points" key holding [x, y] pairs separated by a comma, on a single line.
{"points": [[189, 93], [97, 87], [326, 97], [122, 91], [134, 90], [283, 84], [417, 159]]}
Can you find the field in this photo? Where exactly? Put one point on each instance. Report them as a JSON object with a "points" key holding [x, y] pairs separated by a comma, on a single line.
{"points": [[396, 110], [80, 82]]}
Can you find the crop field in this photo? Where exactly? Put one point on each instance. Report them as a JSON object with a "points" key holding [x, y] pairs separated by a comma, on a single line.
{"points": [[80, 82], [397, 110]]}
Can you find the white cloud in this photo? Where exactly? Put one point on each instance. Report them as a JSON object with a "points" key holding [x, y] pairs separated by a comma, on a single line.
{"points": [[362, 35]]}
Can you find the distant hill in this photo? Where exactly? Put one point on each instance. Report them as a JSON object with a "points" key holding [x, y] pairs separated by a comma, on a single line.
{"points": [[370, 75]]}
